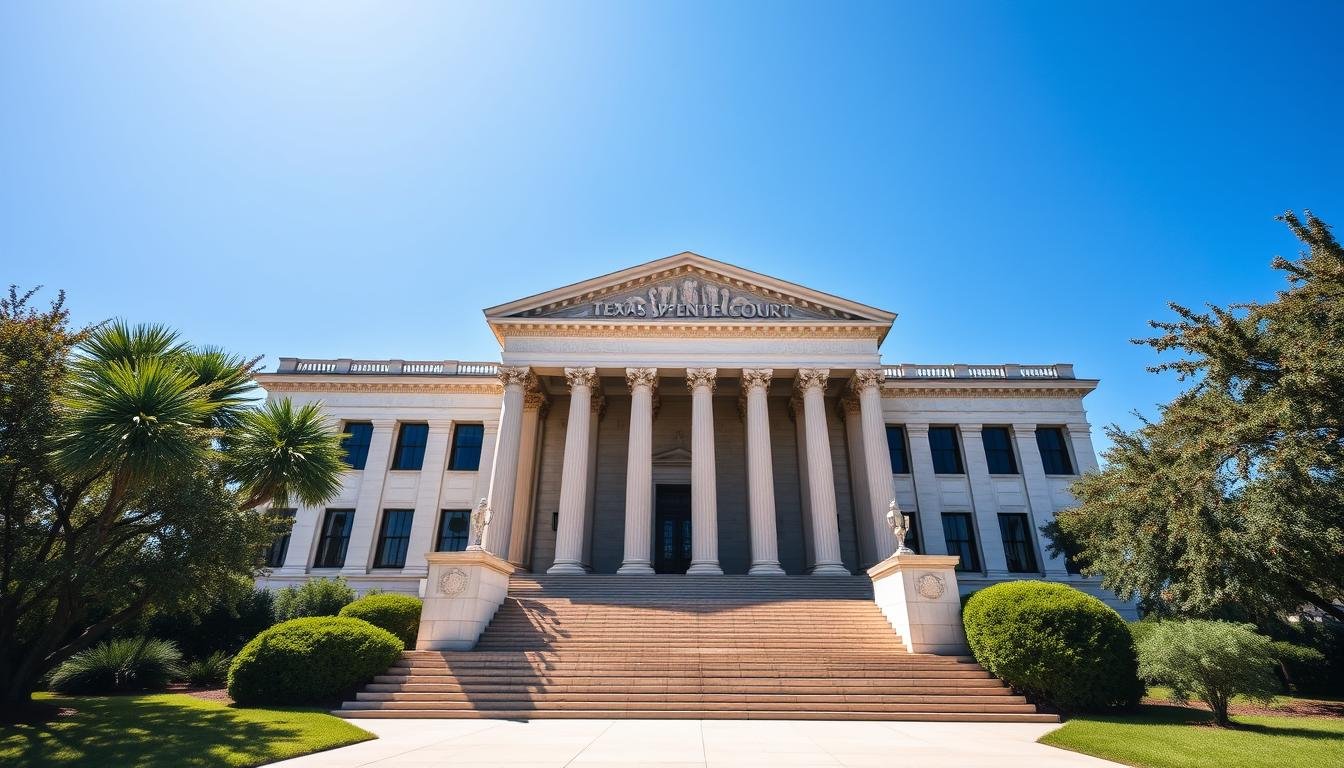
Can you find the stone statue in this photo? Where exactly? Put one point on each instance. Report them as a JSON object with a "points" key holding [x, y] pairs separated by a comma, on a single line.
{"points": [[900, 527], [480, 519]]}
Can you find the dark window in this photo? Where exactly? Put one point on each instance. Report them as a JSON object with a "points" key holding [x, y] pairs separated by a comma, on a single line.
{"points": [[335, 538], [393, 538], [453, 529], [912, 535], [943, 445], [961, 540], [1018, 545], [275, 554], [900, 463], [410, 453], [356, 443], [1054, 452], [466, 455], [999, 451]]}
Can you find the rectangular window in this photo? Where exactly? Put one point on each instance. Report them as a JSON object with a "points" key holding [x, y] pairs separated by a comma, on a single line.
{"points": [[943, 445], [393, 538], [466, 453], [1054, 451], [960, 538], [335, 538], [912, 536], [1018, 543], [999, 451], [454, 527], [410, 453], [275, 554], [900, 462], [356, 443]]}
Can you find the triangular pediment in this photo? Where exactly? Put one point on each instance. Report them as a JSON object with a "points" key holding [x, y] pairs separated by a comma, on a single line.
{"points": [[688, 287], [674, 456]]}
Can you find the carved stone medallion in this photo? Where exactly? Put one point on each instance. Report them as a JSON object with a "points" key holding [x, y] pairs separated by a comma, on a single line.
{"points": [[452, 582], [930, 586]]}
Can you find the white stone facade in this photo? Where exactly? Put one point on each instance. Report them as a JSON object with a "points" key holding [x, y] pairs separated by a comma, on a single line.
{"points": [[689, 407]]}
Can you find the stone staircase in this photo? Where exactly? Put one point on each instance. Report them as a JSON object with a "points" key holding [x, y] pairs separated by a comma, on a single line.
{"points": [[724, 647]]}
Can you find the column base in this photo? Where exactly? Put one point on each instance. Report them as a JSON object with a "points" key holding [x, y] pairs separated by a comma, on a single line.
{"points": [[635, 568], [704, 569], [765, 569], [567, 569], [830, 569]]}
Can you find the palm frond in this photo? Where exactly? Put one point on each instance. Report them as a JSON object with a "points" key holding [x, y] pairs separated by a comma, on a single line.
{"points": [[225, 379], [117, 340], [281, 451]]}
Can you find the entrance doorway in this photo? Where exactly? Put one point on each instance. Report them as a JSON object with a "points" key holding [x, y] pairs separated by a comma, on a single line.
{"points": [[672, 531]]}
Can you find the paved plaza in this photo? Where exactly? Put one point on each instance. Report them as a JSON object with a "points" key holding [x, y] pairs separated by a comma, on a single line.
{"points": [[696, 744]]}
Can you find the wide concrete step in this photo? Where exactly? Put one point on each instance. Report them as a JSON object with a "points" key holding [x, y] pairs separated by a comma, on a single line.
{"points": [[744, 703], [726, 685], [804, 697], [699, 714]]}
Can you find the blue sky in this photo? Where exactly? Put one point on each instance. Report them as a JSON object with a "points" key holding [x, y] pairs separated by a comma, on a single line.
{"points": [[1025, 181]]}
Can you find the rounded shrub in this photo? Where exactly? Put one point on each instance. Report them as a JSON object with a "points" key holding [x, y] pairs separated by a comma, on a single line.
{"points": [[398, 614], [311, 660], [316, 597], [1055, 644]]}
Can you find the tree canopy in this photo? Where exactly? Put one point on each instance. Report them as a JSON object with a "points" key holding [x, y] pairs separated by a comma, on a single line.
{"points": [[1233, 500]]}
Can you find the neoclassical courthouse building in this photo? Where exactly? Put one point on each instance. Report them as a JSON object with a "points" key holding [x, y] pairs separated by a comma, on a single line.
{"points": [[689, 416]]}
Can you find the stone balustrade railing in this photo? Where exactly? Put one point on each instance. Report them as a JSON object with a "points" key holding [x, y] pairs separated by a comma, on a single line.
{"points": [[963, 371], [405, 367]]}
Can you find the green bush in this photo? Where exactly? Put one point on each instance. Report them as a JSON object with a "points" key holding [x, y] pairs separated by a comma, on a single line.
{"points": [[1213, 660], [398, 614], [1055, 644], [121, 664], [317, 597], [310, 661], [224, 625], [210, 671], [1312, 675]]}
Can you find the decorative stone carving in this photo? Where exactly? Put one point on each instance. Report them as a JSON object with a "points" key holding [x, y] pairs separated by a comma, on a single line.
{"points": [[480, 518], [701, 377], [757, 377], [900, 527], [452, 582], [848, 404], [581, 377], [930, 586], [519, 376], [535, 400], [809, 378], [867, 377], [641, 377]]}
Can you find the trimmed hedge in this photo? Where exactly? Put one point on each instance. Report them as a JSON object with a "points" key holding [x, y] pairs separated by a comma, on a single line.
{"points": [[398, 614], [310, 661], [316, 597], [1057, 645]]}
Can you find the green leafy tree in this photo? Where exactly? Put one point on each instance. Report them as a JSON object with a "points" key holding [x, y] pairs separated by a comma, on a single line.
{"points": [[1233, 501], [131, 465], [1210, 660]]}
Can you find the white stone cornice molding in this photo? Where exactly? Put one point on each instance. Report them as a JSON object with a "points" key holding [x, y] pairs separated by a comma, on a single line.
{"points": [[916, 430], [520, 376], [970, 429], [865, 378], [757, 377], [701, 377], [581, 377], [809, 378], [383, 423], [645, 377]]}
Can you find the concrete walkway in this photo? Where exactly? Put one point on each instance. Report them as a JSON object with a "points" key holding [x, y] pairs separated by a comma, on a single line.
{"points": [[696, 744]]}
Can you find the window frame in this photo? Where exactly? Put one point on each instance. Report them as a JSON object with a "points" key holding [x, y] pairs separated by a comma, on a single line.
{"points": [[402, 541], [974, 550], [404, 448], [1015, 467], [956, 449], [902, 445], [323, 557], [278, 550], [1028, 544], [347, 443], [454, 446], [1062, 451], [444, 516]]}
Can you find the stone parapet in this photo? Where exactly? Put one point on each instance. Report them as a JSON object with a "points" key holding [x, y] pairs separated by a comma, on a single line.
{"points": [[462, 593], [919, 596]]}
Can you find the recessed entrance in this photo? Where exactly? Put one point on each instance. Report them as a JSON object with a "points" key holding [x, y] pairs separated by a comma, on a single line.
{"points": [[672, 532]]}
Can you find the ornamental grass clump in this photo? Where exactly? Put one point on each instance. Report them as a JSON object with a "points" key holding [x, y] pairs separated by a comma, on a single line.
{"points": [[310, 661], [116, 666], [1211, 661], [1058, 646], [210, 671], [398, 614]]}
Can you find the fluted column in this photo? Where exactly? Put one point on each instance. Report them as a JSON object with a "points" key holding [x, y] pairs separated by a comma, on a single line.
{"points": [[704, 488], [639, 473], [867, 385], [760, 475], [574, 475], [811, 382], [504, 477], [520, 542]]}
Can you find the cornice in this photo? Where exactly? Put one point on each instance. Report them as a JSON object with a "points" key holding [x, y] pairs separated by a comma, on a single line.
{"points": [[1062, 389], [315, 384], [586, 328]]}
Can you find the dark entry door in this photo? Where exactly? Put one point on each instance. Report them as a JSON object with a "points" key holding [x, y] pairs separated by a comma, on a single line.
{"points": [[672, 544]]}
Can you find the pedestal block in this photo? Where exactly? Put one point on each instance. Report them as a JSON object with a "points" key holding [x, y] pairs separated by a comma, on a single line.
{"points": [[918, 594], [462, 593]]}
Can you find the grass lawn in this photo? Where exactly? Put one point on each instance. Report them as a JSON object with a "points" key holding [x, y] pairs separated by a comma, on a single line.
{"points": [[1182, 737], [170, 729]]}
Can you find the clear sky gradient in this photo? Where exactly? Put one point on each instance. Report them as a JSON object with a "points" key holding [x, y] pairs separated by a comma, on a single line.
{"points": [[1021, 182]]}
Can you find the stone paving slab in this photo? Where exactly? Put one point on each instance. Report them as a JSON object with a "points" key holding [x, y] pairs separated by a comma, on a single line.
{"points": [[697, 744]]}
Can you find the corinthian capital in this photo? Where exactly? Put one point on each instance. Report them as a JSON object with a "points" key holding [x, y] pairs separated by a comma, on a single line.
{"points": [[867, 377], [756, 377], [701, 377], [520, 376], [641, 377], [581, 377], [812, 378]]}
